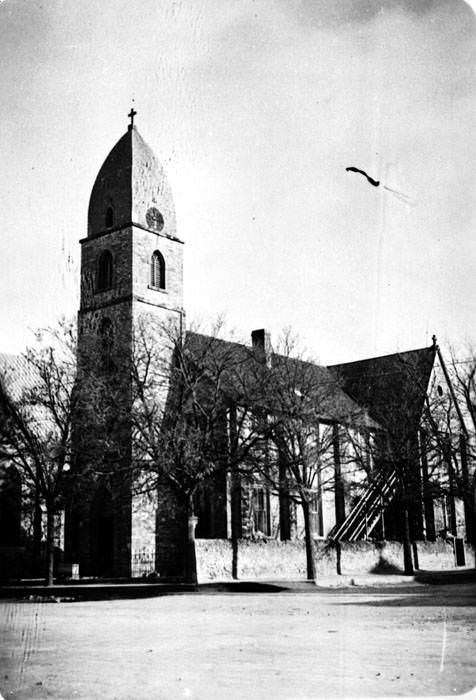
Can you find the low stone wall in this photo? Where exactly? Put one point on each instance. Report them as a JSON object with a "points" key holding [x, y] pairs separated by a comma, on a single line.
{"points": [[371, 557], [387, 557], [214, 559], [440, 555], [261, 559], [273, 559]]}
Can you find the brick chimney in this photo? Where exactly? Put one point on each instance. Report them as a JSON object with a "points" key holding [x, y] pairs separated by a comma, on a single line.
{"points": [[261, 342]]}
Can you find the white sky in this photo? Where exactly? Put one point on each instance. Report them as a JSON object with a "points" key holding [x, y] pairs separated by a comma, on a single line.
{"points": [[255, 108]]}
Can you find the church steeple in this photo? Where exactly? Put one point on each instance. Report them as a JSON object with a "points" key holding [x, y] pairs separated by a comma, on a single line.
{"points": [[132, 226], [131, 188], [131, 278]]}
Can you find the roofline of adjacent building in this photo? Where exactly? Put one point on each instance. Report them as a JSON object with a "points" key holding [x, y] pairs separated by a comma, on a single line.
{"points": [[383, 357]]}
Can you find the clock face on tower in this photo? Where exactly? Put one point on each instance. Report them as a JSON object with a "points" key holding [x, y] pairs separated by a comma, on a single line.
{"points": [[154, 219]]}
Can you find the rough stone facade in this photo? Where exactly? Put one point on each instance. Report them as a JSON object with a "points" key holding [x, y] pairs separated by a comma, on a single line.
{"points": [[131, 217], [275, 559]]}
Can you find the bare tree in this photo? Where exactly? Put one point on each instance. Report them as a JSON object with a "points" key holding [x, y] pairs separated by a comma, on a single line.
{"points": [[454, 428], [194, 400], [35, 430], [305, 407], [412, 456]]}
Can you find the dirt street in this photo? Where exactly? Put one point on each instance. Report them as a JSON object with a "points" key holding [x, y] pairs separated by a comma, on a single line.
{"points": [[403, 641]]}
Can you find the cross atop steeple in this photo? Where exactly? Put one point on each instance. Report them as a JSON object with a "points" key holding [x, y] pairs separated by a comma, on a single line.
{"points": [[131, 114]]}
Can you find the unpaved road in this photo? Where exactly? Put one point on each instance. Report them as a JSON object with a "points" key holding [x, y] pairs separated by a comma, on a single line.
{"points": [[407, 641]]}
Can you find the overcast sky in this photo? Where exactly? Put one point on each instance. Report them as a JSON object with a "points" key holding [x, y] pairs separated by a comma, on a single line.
{"points": [[255, 108]]}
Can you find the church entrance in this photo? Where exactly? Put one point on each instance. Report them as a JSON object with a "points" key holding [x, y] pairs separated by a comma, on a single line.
{"points": [[102, 533]]}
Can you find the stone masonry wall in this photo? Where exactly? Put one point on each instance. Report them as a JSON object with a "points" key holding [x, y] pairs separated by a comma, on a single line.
{"points": [[144, 245], [273, 559], [259, 559]]}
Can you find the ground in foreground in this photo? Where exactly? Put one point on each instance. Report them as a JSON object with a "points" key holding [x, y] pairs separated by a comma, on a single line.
{"points": [[404, 641]]}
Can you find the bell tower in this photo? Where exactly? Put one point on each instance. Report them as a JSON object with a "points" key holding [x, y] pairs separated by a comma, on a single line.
{"points": [[132, 254], [131, 273]]}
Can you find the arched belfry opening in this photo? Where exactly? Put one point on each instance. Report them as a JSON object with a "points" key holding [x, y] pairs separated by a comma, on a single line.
{"points": [[157, 270], [102, 524]]}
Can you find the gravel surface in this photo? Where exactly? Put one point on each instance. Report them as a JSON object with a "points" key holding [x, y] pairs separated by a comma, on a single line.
{"points": [[408, 641]]}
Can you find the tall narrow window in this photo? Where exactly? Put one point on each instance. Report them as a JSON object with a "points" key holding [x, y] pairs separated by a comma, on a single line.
{"points": [[106, 341], [315, 515], [260, 507], [109, 217], [104, 279], [157, 271]]}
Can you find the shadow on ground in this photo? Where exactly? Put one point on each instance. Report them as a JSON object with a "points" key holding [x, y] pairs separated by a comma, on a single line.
{"points": [[446, 577], [105, 591], [415, 600], [383, 566], [77, 591], [243, 587]]}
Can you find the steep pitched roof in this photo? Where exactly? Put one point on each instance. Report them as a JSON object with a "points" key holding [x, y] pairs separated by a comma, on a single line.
{"points": [[335, 404], [392, 387], [132, 181]]}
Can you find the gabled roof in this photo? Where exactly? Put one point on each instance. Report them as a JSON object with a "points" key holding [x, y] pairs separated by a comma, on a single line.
{"points": [[392, 387], [371, 392], [335, 404], [202, 345]]}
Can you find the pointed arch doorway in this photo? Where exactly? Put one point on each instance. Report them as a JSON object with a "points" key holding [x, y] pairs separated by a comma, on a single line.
{"points": [[102, 533]]}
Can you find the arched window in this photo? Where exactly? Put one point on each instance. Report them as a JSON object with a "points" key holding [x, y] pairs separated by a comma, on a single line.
{"points": [[106, 340], [157, 271], [109, 217], [104, 279]]}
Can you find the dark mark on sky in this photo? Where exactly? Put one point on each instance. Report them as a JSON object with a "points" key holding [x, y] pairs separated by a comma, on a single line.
{"points": [[373, 182], [399, 195]]}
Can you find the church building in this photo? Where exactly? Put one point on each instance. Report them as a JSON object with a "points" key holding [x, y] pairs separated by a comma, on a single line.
{"points": [[131, 279]]}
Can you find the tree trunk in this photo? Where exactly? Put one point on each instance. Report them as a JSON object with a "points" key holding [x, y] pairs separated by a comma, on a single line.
{"points": [[236, 520], [473, 508], [50, 545], [311, 569], [190, 568], [37, 518], [407, 544], [468, 496], [339, 498]]}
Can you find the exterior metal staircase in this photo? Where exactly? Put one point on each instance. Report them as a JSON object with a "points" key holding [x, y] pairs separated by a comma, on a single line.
{"points": [[365, 515]]}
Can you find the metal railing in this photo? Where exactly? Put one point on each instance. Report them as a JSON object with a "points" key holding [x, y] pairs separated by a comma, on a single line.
{"points": [[365, 515]]}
